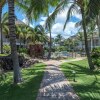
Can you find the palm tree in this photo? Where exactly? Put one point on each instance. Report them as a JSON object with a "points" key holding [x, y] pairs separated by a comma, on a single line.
{"points": [[80, 37], [36, 8], [2, 3], [19, 33], [59, 38], [40, 34], [82, 4], [12, 36]]}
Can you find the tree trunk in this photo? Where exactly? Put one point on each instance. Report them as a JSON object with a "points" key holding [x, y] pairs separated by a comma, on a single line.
{"points": [[86, 42], [1, 38], [12, 36], [50, 44], [82, 48]]}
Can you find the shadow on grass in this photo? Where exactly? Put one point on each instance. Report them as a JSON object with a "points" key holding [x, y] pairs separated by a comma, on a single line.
{"points": [[88, 92], [28, 89], [88, 82]]}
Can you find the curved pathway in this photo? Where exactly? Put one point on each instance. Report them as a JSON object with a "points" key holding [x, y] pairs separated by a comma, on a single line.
{"points": [[54, 85]]}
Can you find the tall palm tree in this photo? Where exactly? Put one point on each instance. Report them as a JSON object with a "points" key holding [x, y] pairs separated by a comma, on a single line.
{"points": [[36, 8], [82, 4], [2, 3], [12, 35]]}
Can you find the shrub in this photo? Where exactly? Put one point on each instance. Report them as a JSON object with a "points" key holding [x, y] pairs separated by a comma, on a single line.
{"points": [[96, 56], [7, 49], [23, 50], [61, 48]]}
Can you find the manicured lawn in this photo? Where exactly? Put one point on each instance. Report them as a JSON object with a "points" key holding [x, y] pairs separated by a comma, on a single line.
{"points": [[86, 85], [28, 89]]}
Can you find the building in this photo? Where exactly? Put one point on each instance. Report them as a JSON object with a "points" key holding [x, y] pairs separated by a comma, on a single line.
{"points": [[6, 39], [93, 42]]}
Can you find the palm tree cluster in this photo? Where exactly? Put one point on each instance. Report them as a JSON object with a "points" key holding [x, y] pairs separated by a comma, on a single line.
{"points": [[23, 32], [89, 9]]}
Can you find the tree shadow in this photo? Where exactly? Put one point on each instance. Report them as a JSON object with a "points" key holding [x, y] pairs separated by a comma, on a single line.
{"points": [[25, 91], [87, 85]]}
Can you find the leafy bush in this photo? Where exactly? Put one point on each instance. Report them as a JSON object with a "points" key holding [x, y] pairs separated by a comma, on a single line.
{"points": [[7, 49], [61, 48], [23, 50], [96, 56]]}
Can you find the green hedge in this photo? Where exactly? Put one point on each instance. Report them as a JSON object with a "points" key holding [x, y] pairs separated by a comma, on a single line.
{"points": [[96, 56]]}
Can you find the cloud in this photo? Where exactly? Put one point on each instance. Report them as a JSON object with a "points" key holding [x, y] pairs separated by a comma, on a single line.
{"points": [[69, 30], [59, 23]]}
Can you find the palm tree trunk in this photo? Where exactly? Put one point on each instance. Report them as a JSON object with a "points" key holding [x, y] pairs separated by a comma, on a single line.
{"points": [[82, 47], [1, 38], [50, 44], [86, 42], [12, 35]]}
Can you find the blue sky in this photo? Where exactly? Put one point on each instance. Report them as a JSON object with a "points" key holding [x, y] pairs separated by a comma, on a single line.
{"points": [[59, 22]]}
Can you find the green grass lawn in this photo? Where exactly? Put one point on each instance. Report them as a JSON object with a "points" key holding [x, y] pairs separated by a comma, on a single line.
{"points": [[28, 89], [86, 85]]}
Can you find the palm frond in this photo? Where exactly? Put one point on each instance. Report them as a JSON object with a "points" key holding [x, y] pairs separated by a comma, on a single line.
{"points": [[71, 10], [93, 9], [51, 18]]}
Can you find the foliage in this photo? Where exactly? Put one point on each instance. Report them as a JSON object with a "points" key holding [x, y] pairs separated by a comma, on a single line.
{"points": [[87, 85], [23, 50], [7, 49], [61, 48], [96, 56], [28, 90]]}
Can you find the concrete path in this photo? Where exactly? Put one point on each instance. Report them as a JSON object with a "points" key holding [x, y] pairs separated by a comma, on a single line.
{"points": [[54, 85]]}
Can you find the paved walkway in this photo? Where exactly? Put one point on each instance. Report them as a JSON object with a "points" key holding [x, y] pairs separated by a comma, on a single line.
{"points": [[54, 85]]}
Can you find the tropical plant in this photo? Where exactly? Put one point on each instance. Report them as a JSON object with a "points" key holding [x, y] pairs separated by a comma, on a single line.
{"points": [[38, 8], [80, 6], [96, 56], [40, 34], [6, 49], [58, 39], [12, 36], [80, 37]]}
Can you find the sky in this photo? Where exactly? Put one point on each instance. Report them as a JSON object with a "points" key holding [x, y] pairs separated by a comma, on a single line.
{"points": [[57, 27]]}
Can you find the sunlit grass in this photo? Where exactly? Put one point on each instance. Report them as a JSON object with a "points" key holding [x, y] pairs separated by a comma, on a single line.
{"points": [[3, 54], [27, 90], [86, 85]]}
